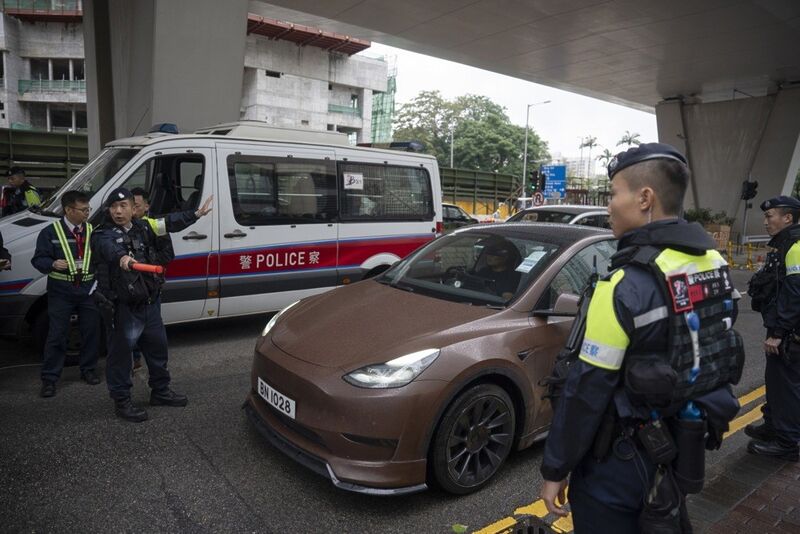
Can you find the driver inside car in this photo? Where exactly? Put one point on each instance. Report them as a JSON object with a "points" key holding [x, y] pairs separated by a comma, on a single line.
{"points": [[502, 258]]}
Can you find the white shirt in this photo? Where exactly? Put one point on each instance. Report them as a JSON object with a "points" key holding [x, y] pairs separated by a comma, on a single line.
{"points": [[72, 227]]}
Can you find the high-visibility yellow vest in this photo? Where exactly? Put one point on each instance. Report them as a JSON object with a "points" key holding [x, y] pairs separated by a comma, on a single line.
{"points": [[74, 272]]}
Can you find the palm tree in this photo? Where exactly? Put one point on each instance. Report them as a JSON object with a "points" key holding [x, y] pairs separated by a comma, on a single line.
{"points": [[605, 157], [629, 139], [589, 142]]}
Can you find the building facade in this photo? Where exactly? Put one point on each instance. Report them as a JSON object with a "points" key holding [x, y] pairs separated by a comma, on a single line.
{"points": [[294, 76]]}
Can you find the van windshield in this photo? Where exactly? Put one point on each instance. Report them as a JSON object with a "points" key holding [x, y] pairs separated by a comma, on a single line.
{"points": [[93, 176]]}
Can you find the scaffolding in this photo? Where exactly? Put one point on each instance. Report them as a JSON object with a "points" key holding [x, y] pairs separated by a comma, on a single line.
{"points": [[383, 106]]}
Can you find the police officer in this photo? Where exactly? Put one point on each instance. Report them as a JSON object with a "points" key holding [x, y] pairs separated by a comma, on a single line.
{"points": [[64, 254], [23, 195], [775, 292], [162, 227], [616, 421], [136, 317]]}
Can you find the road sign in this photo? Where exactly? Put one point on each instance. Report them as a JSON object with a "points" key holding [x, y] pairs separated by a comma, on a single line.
{"points": [[555, 185], [538, 199]]}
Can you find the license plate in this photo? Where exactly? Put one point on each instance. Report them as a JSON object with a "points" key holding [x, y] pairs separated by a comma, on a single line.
{"points": [[276, 399]]}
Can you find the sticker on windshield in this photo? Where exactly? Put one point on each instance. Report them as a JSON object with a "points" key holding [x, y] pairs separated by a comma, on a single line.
{"points": [[353, 181], [530, 262]]}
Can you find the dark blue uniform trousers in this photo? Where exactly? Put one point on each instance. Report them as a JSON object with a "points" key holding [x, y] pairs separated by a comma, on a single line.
{"points": [[137, 325], [64, 300], [782, 410]]}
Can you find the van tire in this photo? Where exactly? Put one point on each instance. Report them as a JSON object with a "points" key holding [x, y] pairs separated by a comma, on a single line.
{"points": [[40, 327]]}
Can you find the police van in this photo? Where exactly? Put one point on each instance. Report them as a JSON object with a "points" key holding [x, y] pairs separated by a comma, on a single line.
{"points": [[295, 213]]}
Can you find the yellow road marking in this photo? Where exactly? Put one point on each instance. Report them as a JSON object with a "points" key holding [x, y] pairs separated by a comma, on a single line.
{"points": [[537, 509], [744, 420], [564, 524], [498, 526], [744, 400]]}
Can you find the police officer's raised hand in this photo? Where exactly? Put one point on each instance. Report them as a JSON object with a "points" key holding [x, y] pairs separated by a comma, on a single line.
{"points": [[125, 263], [552, 491], [60, 265], [205, 209], [772, 344]]}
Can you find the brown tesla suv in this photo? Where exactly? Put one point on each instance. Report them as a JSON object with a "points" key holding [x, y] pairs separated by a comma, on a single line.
{"points": [[430, 372]]}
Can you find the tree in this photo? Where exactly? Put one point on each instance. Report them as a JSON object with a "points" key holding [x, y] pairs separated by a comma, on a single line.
{"points": [[483, 136], [588, 142], [605, 157], [630, 139]]}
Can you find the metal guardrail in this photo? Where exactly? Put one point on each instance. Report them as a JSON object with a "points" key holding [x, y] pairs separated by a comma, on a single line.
{"points": [[49, 158], [43, 6], [51, 86], [477, 187], [347, 110]]}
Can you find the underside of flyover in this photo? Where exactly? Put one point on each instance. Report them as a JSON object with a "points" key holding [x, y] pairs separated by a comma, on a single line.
{"points": [[722, 75]]}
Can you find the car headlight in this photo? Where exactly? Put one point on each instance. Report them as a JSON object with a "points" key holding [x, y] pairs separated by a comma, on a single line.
{"points": [[274, 320], [394, 373]]}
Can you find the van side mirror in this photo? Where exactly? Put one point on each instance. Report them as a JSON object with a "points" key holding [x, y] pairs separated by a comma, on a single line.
{"points": [[566, 306]]}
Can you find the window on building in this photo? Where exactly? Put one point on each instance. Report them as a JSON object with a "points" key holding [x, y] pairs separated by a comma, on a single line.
{"points": [[40, 69], [61, 69], [80, 119], [386, 192], [354, 101], [331, 127], [304, 122], [266, 191], [272, 73], [330, 87], [78, 69], [60, 119]]}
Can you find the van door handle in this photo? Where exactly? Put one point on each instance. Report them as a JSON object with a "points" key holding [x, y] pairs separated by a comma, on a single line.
{"points": [[195, 236], [236, 233]]}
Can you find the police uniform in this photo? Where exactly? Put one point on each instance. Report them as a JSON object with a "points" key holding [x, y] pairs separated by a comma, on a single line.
{"points": [[775, 292], [68, 292], [21, 198], [634, 369], [136, 316]]}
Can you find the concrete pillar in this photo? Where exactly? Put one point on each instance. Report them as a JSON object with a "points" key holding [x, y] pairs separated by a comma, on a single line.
{"points": [[727, 142], [178, 61], [71, 70], [47, 117], [74, 120], [49, 69]]}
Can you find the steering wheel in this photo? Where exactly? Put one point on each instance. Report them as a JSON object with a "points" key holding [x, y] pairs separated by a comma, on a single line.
{"points": [[457, 276]]}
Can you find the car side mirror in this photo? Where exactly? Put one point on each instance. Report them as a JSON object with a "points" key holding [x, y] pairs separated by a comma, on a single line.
{"points": [[566, 306]]}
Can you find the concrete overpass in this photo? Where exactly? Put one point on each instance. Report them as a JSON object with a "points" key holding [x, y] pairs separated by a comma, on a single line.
{"points": [[722, 76]]}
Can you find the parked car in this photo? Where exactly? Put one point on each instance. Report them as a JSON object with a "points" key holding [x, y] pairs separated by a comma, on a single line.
{"points": [[295, 213], [430, 372], [455, 217], [584, 215]]}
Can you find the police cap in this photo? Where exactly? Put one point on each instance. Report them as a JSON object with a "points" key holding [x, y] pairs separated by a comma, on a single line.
{"points": [[118, 194], [643, 152], [15, 170], [781, 201]]}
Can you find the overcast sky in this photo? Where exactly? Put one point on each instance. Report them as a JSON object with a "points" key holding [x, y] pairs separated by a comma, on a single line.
{"points": [[561, 122]]}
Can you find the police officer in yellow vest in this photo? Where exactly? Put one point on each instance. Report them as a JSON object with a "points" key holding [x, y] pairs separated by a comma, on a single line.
{"points": [[649, 390], [22, 195], [775, 292], [64, 254]]}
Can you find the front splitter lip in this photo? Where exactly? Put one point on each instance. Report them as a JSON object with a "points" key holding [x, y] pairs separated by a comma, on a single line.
{"points": [[318, 465]]}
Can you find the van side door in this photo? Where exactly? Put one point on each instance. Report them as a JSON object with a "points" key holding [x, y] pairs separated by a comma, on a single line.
{"points": [[277, 225], [387, 210]]}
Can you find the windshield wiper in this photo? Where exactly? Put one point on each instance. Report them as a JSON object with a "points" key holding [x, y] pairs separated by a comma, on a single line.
{"points": [[46, 213]]}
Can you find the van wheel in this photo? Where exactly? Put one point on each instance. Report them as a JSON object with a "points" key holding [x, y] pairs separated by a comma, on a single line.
{"points": [[40, 327], [473, 439]]}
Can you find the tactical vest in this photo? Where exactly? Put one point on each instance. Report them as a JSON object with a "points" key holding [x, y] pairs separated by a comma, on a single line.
{"points": [[78, 270], [702, 285], [133, 287]]}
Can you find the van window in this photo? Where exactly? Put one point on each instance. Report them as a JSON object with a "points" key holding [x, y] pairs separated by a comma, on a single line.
{"points": [[267, 190], [385, 192], [164, 177]]}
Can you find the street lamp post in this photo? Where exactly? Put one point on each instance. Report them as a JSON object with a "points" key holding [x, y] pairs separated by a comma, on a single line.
{"points": [[451, 147], [525, 156]]}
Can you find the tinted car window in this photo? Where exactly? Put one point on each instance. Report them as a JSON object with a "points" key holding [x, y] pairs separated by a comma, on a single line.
{"points": [[574, 276], [550, 216]]}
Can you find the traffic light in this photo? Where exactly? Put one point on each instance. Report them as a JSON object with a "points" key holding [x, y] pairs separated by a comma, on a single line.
{"points": [[533, 183], [542, 181], [749, 189]]}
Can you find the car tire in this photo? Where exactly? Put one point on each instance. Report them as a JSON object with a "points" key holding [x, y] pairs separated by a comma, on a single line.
{"points": [[474, 439]]}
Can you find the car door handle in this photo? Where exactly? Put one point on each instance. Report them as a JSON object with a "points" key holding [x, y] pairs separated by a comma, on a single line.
{"points": [[195, 236], [236, 233]]}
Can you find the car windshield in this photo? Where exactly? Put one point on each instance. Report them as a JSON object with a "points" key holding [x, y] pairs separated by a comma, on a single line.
{"points": [[548, 216], [473, 267], [93, 176]]}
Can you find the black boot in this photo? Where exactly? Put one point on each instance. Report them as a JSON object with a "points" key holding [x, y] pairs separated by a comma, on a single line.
{"points": [[762, 432], [48, 389], [126, 409], [775, 448], [167, 397]]}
